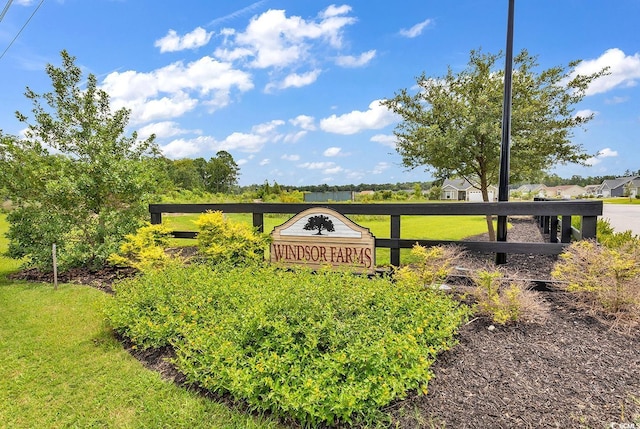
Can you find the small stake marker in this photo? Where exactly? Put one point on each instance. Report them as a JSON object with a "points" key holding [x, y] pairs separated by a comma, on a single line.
{"points": [[55, 267]]}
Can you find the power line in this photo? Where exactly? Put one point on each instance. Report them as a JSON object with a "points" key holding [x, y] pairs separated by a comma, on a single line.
{"points": [[23, 27], [6, 8]]}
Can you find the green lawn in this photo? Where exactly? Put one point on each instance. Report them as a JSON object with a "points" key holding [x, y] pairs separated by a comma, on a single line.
{"points": [[61, 367], [621, 200]]}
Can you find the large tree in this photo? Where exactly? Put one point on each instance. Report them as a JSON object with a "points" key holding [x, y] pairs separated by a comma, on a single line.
{"points": [[452, 124], [222, 173], [76, 178]]}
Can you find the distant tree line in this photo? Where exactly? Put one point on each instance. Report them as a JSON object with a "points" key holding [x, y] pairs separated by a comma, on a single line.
{"points": [[220, 174]]}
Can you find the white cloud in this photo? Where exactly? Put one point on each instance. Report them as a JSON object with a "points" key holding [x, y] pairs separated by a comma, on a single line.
{"points": [[265, 161], [294, 137], [303, 121], [585, 113], [332, 151], [604, 153], [252, 142], [317, 165], [163, 130], [416, 30], [167, 92], [624, 70], [25, 2], [242, 161], [267, 127], [274, 40], [359, 61], [161, 108], [295, 80], [607, 153], [380, 168], [333, 170], [181, 148], [172, 42], [290, 157], [242, 142], [385, 139], [378, 116]]}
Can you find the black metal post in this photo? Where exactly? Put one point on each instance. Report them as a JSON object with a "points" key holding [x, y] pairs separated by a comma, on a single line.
{"points": [[503, 186]]}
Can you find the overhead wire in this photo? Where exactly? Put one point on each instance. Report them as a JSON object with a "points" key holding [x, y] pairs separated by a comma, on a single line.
{"points": [[21, 29], [6, 8]]}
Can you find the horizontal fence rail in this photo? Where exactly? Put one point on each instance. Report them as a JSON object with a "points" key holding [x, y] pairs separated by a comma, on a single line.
{"points": [[544, 211]]}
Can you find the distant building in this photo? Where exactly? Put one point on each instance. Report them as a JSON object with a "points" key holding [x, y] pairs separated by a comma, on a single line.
{"points": [[462, 190], [535, 190], [592, 190], [564, 191], [616, 187], [323, 197]]}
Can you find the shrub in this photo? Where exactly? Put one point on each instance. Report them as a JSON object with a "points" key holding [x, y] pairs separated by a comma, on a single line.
{"points": [[505, 300], [615, 240], [430, 265], [321, 348], [221, 240], [607, 279], [144, 250]]}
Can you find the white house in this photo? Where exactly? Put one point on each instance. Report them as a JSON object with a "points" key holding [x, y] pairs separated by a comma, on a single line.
{"points": [[564, 191], [462, 190]]}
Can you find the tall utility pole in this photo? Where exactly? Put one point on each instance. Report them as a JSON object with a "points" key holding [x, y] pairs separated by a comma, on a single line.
{"points": [[503, 186]]}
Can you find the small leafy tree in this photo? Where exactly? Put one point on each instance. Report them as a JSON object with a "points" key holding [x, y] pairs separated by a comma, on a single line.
{"points": [[75, 178], [452, 123]]}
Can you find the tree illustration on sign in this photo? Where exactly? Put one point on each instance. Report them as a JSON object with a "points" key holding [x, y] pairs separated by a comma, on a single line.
{"points": [[319, 222]]}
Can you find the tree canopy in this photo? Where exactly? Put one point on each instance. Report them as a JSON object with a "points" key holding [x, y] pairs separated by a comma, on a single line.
{"points": [[452, 124], [76, 178]]}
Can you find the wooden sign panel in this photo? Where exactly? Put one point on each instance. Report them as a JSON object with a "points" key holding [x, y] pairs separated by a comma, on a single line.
{"points": [[320, 237]]}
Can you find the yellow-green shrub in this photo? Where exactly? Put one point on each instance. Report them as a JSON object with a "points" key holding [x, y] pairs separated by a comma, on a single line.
{"points": [[505, 300], [606, 277], [430, 265], [144, 250], [222, 240]]}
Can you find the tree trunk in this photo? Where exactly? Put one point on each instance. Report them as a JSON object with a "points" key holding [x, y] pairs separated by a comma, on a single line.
{"points": [[485, 198]]}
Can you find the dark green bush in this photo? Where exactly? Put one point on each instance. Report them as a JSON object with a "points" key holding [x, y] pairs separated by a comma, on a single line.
{"points": [[320, 348]]}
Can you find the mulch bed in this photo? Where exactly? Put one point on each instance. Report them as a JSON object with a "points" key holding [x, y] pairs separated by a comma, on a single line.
{"points": [[574, 370]]}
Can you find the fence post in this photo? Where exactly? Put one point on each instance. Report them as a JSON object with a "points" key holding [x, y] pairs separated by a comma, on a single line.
{"points": [[156, 218], [565, 235], [395, 236], [258, 221], [553, 230], [589, 226]]}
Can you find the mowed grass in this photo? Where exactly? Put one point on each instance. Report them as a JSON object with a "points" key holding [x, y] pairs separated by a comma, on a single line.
{"points": [[418, 227], [61, 367], [621, 200]]}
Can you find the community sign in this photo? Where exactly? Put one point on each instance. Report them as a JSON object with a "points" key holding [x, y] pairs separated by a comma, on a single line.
{"points": [[320, 237]]}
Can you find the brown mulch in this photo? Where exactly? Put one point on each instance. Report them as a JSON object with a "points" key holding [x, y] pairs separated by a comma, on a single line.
{"points": [[572, 371]]}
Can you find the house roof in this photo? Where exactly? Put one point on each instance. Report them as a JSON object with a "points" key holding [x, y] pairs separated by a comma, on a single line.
{"points": [[618, 181], [531, 187], [459, 184]]}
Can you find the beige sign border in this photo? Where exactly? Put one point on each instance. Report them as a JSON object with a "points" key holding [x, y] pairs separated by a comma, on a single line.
{"points": [[291, 245]]}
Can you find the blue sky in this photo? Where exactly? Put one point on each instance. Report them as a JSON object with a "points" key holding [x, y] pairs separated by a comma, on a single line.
{"points": [[291, 88]]}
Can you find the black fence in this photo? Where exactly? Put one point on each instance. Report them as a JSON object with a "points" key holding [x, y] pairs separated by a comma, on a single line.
{"points": [[548, 211]]}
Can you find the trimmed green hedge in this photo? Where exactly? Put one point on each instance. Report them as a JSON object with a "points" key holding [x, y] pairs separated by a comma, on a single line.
{"points": [[321, 348]]}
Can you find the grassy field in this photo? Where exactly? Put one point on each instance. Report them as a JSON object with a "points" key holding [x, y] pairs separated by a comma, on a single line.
{"points": [[418, 227], [621, 200], [61, 367]]}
